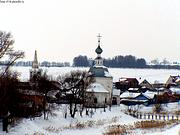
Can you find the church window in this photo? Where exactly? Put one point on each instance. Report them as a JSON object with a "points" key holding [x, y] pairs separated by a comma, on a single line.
{"points": [[105, 100], [95, 100]]}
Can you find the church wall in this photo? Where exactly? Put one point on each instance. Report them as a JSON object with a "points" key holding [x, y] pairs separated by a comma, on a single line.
{"points": [[106, 82], [102, 99]]}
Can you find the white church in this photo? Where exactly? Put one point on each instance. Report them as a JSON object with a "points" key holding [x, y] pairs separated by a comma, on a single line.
{"points": [[102, 87]]}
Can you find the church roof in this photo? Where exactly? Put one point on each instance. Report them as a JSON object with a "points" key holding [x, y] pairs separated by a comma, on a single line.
{"points": [[96, 87], [35, 64], [98, 50], [99, 71]]}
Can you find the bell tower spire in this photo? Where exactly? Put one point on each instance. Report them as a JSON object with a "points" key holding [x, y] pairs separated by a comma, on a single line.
{"points": [[35, 71], [99, 39], [99, 60], [35, 64]]}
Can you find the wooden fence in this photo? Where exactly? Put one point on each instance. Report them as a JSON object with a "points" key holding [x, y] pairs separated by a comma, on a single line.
{"points": [[148, 116]]}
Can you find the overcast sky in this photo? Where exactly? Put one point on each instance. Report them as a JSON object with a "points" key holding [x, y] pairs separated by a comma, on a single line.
{"points": [[62, 29]]}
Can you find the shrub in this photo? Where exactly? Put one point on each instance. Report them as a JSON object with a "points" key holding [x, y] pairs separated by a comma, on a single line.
{"points": [[157, 108], [154, 124], [116, 130], [80, 125], [90, 123]]}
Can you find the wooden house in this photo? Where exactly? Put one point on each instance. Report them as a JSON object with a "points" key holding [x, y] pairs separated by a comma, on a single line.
{"points": [[173, 81], [126, 83], [130, 98], [146, 84]]}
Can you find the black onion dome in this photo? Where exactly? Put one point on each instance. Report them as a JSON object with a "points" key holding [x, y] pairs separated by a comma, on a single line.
{"points": [[99, 50]]}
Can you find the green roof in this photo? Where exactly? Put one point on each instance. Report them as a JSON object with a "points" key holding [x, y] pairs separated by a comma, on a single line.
{"points": [[99, 71], [99, 50]]}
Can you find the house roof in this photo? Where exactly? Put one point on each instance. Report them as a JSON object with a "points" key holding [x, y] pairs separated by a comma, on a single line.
{"points": [[127, 80], [175, 90], [96, 87], [128, 94], [133, 89], [149, 94], [132, 95]]}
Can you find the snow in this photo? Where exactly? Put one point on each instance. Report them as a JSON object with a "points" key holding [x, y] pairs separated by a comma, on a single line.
{"points": [[57, 124], [107, 74], [178, 80], [175, 90], [133, 89], [128, 94], [99, 66], [151, 75], [96, 87], [150, 94]]}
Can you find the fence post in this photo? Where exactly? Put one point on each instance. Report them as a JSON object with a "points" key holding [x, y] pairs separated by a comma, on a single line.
{"points": [[168, 117], [164, 117], [140, 116], [159, 117], [156, 116], [144, 116]]}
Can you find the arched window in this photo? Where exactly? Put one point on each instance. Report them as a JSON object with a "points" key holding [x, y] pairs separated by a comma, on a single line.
{"points": [[105, 100], [95, 100]]}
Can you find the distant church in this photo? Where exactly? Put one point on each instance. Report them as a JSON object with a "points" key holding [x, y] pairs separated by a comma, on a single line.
{"points": [[102, 87], [35, 71]]}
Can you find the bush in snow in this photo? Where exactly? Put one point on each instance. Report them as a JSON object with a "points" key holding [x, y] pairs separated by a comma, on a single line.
{"points": [[157, 108]]}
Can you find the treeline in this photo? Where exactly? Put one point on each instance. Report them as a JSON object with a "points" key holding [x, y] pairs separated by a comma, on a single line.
{"points": [[127, 61]]}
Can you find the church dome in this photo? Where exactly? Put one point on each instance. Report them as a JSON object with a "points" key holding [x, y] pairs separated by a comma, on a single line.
{"points": [[98, 50]]}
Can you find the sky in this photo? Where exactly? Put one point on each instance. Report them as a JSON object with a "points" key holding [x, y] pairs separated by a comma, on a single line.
{"points": [[61, 29]]}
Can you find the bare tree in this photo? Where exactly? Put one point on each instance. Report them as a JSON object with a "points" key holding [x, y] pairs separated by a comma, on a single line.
{"points": [[44, 85], [8, 79], [73, 86], [8, 92], [7, 50]]}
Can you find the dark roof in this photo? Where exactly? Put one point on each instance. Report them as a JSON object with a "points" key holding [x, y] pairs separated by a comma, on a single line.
{"points": [[99, 50], [97, 58], [99, 71], [127, 80]]}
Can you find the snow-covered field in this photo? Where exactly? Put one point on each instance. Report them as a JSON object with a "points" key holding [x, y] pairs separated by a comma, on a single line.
{"points": [[100, 120], [160, 75], [95, 125]]}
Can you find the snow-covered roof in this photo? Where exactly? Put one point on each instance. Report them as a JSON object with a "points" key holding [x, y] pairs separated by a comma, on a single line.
{"points": [[107, 74], [122, 79], [178, 80], [133, 100], [98, 66], [133, 89], [96, 87], [128, 94], [52, 93], [175, 90], [149, 94], [116, 92]]}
